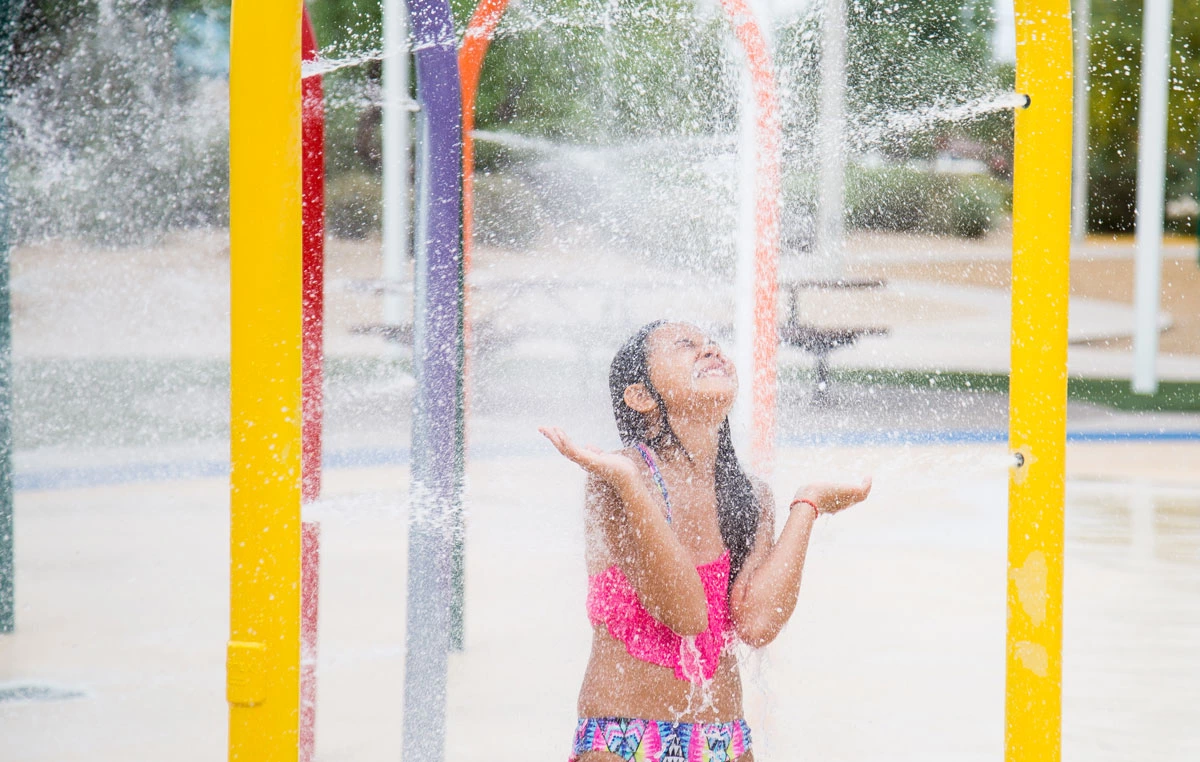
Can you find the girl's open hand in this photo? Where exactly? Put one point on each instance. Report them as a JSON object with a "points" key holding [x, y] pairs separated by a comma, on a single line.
{"points": [[831, 498], [612, 467]]}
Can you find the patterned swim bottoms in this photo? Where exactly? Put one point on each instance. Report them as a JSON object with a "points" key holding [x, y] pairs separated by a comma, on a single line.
{"points": [[661, 741]]}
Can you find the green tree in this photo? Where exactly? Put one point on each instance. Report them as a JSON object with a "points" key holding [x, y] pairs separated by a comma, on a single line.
{"points": [[588, 70], [109, 141], [1116, 56], [900, 56], [347, 27]]}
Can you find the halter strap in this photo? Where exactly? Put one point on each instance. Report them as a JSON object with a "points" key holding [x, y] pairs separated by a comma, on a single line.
{"points": [[656, 475]]}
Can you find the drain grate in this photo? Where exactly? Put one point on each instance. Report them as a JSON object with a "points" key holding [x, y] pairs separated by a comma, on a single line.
{"points": [[18, 692]]}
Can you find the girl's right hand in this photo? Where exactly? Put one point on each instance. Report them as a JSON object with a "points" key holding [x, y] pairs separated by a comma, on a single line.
{"points": [[612, 467]]}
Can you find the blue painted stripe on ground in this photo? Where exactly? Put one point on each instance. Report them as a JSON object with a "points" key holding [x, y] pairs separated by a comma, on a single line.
{"points": [[982, 436], [373, 457]]}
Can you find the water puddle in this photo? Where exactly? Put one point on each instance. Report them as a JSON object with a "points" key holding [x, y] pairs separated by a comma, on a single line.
{"points": [[21, 693], [1134, 522]]}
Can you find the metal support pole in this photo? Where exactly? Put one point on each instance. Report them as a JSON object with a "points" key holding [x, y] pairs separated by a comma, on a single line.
{"points": [[435, 526], [312, 364], [1079, 184], [8, 608], [313, 299], [831, 180], [8, 601], [743, 279], [310, 609], [1038, 388], [263, 656], [396, 117], [1151, 184]]}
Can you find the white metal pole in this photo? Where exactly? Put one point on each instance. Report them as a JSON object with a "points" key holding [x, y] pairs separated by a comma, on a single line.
{"points": [[1079, 184], [743, 318], [831, 188], [1151, 187], [395, 157]]}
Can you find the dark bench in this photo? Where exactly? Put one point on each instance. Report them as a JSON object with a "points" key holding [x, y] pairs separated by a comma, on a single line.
{"points": [[398, 333], [823, 341]]}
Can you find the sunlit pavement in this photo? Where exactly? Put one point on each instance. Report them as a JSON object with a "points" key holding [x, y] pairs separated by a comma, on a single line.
{"points": [[895, 652]]}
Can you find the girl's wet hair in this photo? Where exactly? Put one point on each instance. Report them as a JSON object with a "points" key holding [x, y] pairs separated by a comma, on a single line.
{"points": [[737, 506]]}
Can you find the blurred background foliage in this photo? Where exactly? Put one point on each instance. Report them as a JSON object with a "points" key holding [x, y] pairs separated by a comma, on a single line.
{"points": [[111, 137], [1116, 58], [120, 129]]}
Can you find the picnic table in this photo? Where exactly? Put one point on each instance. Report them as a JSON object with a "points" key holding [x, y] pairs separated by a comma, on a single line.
{"points": [[822, 341]]}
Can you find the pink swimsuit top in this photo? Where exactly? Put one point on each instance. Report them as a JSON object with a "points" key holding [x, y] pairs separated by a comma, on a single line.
{"points": [[613, 603]]}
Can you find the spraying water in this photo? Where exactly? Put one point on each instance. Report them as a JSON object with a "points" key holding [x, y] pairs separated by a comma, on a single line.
{"points": [[899, 123], [320, 66], [627, 211]]}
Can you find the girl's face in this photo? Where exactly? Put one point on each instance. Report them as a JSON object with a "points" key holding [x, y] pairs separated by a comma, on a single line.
{"points": [[689, 370]]}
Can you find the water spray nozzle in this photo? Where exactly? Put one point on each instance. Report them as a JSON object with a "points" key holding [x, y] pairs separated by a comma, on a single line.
{"points": [[1022, 460], [1025, 100]]}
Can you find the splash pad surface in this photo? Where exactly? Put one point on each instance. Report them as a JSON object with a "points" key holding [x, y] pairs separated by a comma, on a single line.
{"points": [[1047, 331], [893, 652]]}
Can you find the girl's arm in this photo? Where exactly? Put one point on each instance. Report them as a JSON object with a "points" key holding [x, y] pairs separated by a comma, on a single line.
{"points": [[639, 538], [765, 592], [643, 545]]}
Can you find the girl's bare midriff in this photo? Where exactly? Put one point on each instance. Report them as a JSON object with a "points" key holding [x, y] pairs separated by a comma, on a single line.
{"points": [[617, 684]]}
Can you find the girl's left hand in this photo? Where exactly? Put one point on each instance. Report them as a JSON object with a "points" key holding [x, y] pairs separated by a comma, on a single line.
{"points": [[831, 498]]}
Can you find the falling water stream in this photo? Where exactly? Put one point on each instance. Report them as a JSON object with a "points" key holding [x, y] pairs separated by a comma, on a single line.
{"points": [[896, 648]]}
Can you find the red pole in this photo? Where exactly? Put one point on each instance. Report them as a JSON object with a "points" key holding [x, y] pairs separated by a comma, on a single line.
{"points": [[313, 189], [310, 564], [312, 148]]}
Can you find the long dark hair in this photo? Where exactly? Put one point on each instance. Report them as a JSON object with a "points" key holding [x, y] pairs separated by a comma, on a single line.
{"points": [[737, 506]]}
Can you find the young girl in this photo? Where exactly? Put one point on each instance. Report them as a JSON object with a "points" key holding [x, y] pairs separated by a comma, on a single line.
{"points": [[682, 558]]}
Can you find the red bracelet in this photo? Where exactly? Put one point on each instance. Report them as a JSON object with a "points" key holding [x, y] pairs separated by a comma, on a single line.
{"points": [[806, 501]]}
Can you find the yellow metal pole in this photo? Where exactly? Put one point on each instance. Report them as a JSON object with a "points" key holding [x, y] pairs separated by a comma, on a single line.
{"points": [[1038, 389], [263, 662]]}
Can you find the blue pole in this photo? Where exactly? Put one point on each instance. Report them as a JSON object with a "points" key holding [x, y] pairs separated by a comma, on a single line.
{"points": [[437, 435]]}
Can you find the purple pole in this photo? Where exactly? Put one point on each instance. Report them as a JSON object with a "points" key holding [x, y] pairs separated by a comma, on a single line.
{"points": [[437, 433]]}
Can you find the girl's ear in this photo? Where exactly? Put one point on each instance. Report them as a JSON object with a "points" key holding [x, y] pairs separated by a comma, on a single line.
{"points": [[638, 398]]}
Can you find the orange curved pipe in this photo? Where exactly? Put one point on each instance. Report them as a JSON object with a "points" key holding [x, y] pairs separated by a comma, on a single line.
{"points": [[767, 178], [766, 227], [470, 64]]}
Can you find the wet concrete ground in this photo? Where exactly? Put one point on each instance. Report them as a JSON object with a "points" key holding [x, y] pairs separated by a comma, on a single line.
{"points": [[896, 650]]}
